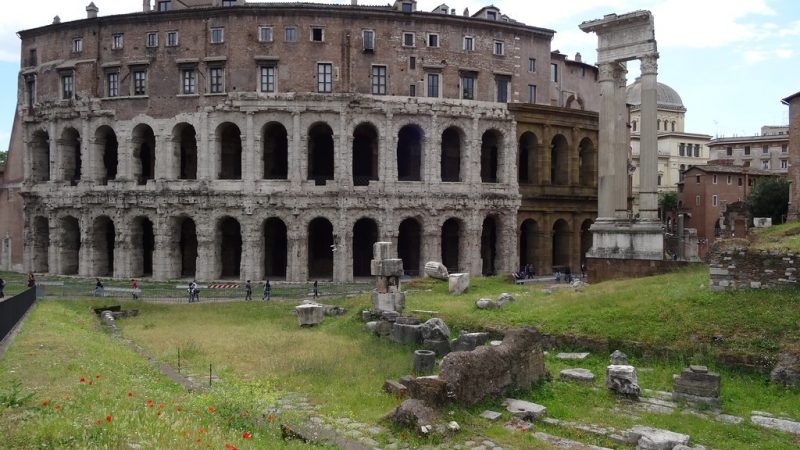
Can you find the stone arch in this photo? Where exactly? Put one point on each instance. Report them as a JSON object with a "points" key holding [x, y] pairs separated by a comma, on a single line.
{"points": [[70, 146], [275, 143], [144, 153], [104, 236], [489, 241], [39, 148], [229, 247], [41, 244], [320, 152], [529, 243], [673, 125], [587, 157], [142, 247], [229, 151], [70, 245], [184, 139], [409, 245], [320, 248], [491, 143], [574, 102], [365, 154], [106, 149], [452, 235], [410, 141], [453, 139], [365, 235], [528, 169], [586, 238], [187, 246], [276, 245], [561, 245], [559, 160]]}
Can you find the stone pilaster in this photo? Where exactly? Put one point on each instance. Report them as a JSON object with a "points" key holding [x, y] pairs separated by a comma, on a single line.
{"points": [[297, 257], [85, 255]]}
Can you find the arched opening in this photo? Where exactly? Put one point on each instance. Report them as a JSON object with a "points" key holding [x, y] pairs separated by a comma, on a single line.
{"points": [[365, 154], [451, 154], [187, 243], [107, 150], [409, 245], [320, 249], [409, 153], [528, 169], [320, 153], [276, 151], [142, 245], [144, 156], [275, 248], [559, 160], [70, 144], [70, 246], [528, 244], [717, 228], [103, 238], [41, 244], [365, 235], [40, 156], [561, 247], [229, 238], [491, 142], [184, 138], [451, 243], [588, 162], [586, 239], [489, 246], [229, 139]]}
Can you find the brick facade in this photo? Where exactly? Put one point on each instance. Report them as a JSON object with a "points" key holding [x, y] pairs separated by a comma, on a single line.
{"points": [[793, 101]]}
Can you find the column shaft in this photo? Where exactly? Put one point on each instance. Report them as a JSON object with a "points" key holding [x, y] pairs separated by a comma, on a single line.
{"points": [[648, 147]]}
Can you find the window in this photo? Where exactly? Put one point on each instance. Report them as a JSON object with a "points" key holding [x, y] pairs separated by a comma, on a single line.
{"points": [[30, 90], [433, 40], [633, 127], [659, 180], [714, 179], [151, 40], [784, 147], [713, 200], [765, 150], [267, 78], [531, 93], [408, 7], [172, 38], [765, 164], [77, 45], [682, 149], [112, 84], [746, 149], [696, 150], [729, 180], [491, 15], [216, 80], [468, 87], [369, 40], [290, 34], [697, 200], [379, 80], [499, 48], [139, 82], [117, 41], [164, 5], [746, 164], [228, 2], [32, 59], [189, 81], [469, 43], [502, 89], [412, 63], [554, 72], [217, 35], [750, 181], [673, 126], [682, 173], [697, 179], [433, 85], [531, 64], [740, 181], [784, 164], [408, 39], [412, 90], [264, 34], [317, 34], [325, 77], [67, 85], [729, 151]]}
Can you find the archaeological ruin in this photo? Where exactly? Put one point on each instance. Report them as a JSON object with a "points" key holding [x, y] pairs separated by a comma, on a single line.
{"points": [[246, 141]]}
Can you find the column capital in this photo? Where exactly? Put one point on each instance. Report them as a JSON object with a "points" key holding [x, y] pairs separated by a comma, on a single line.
{"points": [[649, 64], [606, 72]]}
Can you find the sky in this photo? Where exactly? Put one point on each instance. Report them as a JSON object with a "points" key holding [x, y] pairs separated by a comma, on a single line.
{"points": [[731, 61]]}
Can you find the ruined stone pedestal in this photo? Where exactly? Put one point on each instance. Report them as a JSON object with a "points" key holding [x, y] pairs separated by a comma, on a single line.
{"points": [[623, 239], [696, 385], [310, 314], [424, 361], [458, 283], [622, 380], [387, 295], [436, 270]]}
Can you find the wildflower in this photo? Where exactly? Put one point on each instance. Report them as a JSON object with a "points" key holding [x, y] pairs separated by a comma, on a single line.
{"points": [[245, 435], [149, 402], [158, 413], [178, 409], [161, 406], [108, 418], [45, 403], [57, 407], [245, 414], [83, 380], [98, 422], [90, 381], [202, 430], [269, 417], [97, 376], [210, 409], [197, 440], [130, 394]]}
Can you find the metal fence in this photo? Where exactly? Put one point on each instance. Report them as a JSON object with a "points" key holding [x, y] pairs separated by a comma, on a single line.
{"points": [[13, 308]]}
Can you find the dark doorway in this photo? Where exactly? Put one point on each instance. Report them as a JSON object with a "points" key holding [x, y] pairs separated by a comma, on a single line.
{"points": [[40, 156], [588, 163], [451, 154], [229, 235], [144, 145], [143, 243], [70, 246], [320, 249], [528, 169], [489, 246], [490, 145], [275, 248], [103, 237], [320, 153], [409, 153], [365, 154], [276, 152], [586, 239], [528, 243], [561, 247], [230, 151], [409, 242], [188, 248], [559, 160], [451, 241], [108, 147], [186, 146], [41, 244], [365, 235], [71, 155]]}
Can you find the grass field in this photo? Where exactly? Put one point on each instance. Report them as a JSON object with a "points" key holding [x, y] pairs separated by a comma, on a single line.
{"points": [[780, 237]]}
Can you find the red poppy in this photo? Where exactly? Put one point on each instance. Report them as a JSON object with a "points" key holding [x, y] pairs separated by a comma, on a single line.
{"points": [[202, 430], [90, 381], [227, 445], [158, 413], [45, 403], [210, 409], [130, 394], [108, 418], [197, 440], [178, 409], [97, 376], [161, 405], [149, 402], [245, 414], [83, 380], [98, 422], [270, 418], [57, 407], [245, 435]]}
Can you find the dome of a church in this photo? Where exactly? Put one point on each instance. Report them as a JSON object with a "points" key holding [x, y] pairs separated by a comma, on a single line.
{"points": [[667, 97]]}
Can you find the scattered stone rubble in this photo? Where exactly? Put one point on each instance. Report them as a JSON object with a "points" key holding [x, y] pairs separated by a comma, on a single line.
{"points": [[573, 356], [580, 375], [787, 371], [458, 283], [309, 314], [696, 385], [387, 272], [502, 300], [436, 270], [618, 358], [622, 380]]}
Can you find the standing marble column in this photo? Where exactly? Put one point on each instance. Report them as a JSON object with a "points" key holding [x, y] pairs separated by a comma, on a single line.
{"points": [[621, 143], [606, 151], [648, 153], [297, 251]]}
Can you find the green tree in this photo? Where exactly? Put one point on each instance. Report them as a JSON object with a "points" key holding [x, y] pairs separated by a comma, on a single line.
{"points": [[667, 201], [769, 198], [3, 157]]}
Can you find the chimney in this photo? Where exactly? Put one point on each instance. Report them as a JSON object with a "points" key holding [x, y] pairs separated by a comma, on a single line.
{"points": [[146, 5], [56, 19], [578, 57], [91, 11], [466, 12], [354, 2]]}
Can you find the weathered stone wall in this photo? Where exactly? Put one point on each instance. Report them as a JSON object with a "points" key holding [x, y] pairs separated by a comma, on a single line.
{"points": [[742, 268], [604, 269]]}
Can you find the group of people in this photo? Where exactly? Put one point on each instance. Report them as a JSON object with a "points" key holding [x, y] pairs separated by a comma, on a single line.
{"points": [[248, 291]]}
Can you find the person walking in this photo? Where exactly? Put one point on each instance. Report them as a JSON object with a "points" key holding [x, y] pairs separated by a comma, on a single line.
{"points": [[267, 291], [2, 287], [135, 287], [316, 289], [31, 280], [248, 291], [98, 288], [193, 293]]}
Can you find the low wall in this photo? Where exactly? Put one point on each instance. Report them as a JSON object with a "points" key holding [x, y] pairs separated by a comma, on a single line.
{"points": [[13, 308], [742, 268], [604, 269]]}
